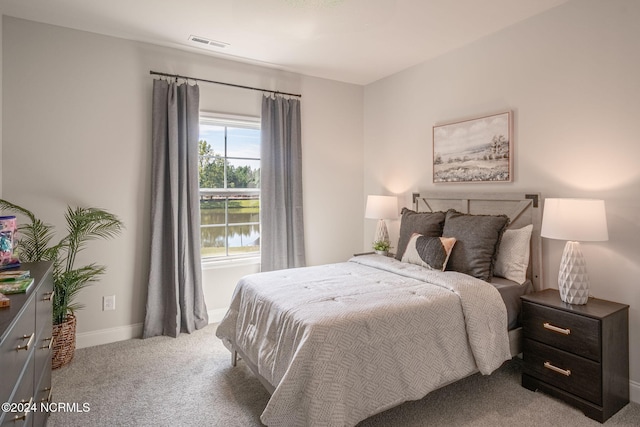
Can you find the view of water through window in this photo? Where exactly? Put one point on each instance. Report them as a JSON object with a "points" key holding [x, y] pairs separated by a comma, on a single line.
{"points": [[241, 236], [229, 173]]}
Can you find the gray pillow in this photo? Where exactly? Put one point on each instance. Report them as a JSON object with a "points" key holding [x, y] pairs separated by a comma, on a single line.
{"points": [[426, 223], [477, 241]]}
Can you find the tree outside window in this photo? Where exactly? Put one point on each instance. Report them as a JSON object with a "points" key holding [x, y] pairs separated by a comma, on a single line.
{"points": [[229, 174]]}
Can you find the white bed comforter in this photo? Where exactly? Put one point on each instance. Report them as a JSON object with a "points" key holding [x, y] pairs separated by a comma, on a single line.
{"points": [[342, 342]]}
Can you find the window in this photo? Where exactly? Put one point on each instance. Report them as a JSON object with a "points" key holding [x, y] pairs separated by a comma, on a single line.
{"points": [[229, 170]]}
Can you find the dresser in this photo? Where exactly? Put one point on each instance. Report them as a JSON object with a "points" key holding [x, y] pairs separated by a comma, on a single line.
{"points": [[25, 349], [577, 353]]}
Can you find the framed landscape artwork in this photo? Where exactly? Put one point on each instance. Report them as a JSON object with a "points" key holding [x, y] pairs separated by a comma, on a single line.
{"points": [[475, 150]]}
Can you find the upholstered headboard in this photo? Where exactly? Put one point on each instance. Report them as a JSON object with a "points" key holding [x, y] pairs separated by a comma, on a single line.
{"points": [[522, 209]]}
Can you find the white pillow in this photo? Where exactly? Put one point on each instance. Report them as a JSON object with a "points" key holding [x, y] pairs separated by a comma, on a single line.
{"points": [[513, 254]]}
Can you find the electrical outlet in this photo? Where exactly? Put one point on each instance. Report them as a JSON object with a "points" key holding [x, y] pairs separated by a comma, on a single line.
{"points": [[109, 303]]}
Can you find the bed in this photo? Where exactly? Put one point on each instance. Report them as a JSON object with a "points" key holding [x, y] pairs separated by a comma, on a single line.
{"points": [[338, 343]]}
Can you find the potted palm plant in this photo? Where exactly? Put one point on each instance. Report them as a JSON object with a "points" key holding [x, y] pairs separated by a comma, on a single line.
{"points": [[36, 243]]}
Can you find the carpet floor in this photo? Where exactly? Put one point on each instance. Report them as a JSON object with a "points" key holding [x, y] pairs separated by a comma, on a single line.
{"points": [[189, 381]]}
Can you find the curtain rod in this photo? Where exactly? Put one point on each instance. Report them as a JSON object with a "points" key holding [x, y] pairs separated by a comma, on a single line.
{"points": [[177, 76]]}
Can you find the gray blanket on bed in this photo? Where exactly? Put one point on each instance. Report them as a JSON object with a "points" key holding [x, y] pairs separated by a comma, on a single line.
{"points": [[342, 342]]}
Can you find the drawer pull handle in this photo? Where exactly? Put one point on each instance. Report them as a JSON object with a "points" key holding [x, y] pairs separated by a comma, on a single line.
{"points": [[48, 296], [47, 347], [556, 329], [25, 413], [26, 347], [49, 394], [566, 372]]}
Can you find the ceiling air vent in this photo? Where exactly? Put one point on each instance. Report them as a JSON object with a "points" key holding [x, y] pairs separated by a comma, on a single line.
{"points": [[207, 42]]}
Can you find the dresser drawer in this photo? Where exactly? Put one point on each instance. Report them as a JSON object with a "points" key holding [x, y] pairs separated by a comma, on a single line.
{"points": [[44, 327], [577, 375], [44, 306], [42, 354], [12, 359], [577, 334], [43, 394], [23, 394]]}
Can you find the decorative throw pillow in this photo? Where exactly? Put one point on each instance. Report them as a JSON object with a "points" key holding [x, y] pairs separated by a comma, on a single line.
{"points": [[477, 241], [426, 223], [513, 256], [430, 252]]}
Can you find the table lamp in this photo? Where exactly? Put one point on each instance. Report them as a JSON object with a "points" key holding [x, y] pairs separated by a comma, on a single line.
{"points": [[381, 208], [574, 220]]}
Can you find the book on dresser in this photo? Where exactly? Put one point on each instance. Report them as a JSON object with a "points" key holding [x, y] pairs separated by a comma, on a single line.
{"points": [[16, 286], [11, 275], [4, 301]]}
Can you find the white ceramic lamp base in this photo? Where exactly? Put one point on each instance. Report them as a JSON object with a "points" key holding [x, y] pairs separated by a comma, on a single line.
{"points": [[573, 281], [382, 235]]}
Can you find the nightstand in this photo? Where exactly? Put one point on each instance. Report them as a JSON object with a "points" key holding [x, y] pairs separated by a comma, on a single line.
{"points": [[577, 353], [389, 254]]}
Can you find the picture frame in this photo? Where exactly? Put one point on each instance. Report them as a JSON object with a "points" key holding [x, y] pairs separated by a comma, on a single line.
{"points": [[477, 150]]}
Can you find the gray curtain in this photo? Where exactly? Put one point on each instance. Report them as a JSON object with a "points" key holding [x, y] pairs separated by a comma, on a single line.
{"points": [[175, 301], [282, 227]]}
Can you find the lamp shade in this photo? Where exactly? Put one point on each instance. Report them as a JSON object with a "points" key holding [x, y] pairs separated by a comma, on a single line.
{"points": [[381, 207], [581, 220]]}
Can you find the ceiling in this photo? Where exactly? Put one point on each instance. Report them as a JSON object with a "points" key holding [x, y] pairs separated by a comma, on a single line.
{"points": [[354, 41]]}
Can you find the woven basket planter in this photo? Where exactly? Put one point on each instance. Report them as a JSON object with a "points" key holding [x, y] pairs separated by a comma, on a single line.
{"points": [[64, 342]]}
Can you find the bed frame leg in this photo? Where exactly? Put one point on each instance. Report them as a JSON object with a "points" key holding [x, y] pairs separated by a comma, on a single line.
{"points": [[234, 358]]}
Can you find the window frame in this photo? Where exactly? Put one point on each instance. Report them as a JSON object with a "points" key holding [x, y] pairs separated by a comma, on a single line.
{"points": [[237, 121]]}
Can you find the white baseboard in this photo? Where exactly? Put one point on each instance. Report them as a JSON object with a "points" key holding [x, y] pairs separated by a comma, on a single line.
{"points": [[215, 316], [121, 333], [634, 391], [106, 336]]}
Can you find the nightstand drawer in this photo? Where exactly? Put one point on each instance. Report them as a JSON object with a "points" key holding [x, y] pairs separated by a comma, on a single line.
{"points": [[577, 375], [577, 334]]}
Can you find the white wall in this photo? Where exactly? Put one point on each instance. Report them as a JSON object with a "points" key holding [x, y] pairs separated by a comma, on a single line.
{"points": [[77, 131], [571, 78]]}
